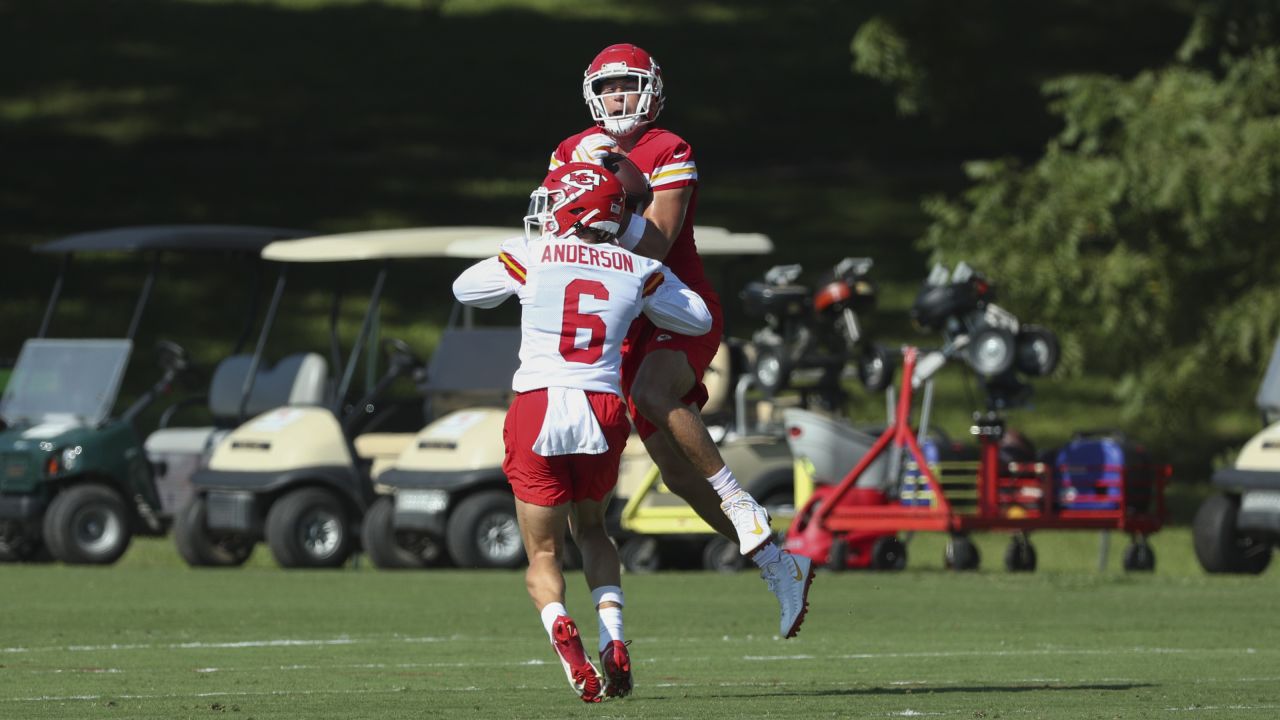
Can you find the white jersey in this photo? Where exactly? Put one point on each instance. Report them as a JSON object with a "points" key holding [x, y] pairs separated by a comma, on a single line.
{"points": [[577, 302]]}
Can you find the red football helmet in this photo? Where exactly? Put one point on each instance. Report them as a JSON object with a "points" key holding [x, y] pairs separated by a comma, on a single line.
{"points": [[623, 61], [575, 197]]}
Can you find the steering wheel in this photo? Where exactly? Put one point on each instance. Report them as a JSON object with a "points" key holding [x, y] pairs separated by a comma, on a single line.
{"points": [[172, 357], [400, 354]]}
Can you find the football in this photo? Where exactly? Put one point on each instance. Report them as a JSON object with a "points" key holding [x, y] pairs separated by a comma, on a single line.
{"points": [[633, 181]]}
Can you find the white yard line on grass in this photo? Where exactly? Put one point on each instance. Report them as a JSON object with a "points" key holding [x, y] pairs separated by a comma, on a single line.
{"points": [[239, 645], [1008, 653]]}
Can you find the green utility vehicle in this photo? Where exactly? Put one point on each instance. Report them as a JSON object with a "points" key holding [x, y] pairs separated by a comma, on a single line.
{"points": [[75, 481]]}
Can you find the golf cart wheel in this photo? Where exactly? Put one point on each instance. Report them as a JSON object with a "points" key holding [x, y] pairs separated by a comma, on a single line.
{"points": [[721, 554], [875, 368], [1220, 548], [202, 548], [379, 537], [87, 525], [1139, 557], [1020, 556], [771, 369], [961, 554], [640, 555], [838, 555], [308, 528], [483, 532], [889, 553]]}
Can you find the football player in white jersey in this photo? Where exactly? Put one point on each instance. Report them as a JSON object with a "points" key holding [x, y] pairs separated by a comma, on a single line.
{"points": [[568, 424]]}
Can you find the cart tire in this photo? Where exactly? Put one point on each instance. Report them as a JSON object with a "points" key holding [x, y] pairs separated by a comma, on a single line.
{"points": [[875, 368], [483, 532], [838, 555], [640, 555], [1020, 556], [771, 369], [378, 536], [309, 528], [961, 554], [1139, 557], [87, 525], [198, 547], [889, 553], [721, 554], [1219, 547]]}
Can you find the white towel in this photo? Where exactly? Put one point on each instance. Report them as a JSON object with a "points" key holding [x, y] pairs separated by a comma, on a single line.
{"points": [[570, 426]]}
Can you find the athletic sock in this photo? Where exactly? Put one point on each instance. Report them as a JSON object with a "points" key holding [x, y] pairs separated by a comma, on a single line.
{"points": [[549, 615], [724, 483], [609, 618], [610, 625], [768, 553]]}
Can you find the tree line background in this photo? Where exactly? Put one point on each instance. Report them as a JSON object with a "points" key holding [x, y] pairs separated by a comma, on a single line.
{"points": [[1112, 167]]}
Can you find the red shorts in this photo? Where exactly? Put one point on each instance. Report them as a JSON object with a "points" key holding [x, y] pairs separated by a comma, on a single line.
{"points": [[644, 337], [551, 481]]}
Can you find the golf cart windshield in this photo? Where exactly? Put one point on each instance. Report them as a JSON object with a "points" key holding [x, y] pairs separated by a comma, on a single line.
{"points": [[1269, 394], [60, 380]]}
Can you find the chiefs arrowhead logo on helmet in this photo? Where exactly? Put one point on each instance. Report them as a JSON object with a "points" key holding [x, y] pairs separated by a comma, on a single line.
{"points": [[575, 197]]}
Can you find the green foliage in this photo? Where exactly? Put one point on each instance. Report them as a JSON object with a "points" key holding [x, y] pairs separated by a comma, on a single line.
{"points": [[881, 52], [1145, 234]]}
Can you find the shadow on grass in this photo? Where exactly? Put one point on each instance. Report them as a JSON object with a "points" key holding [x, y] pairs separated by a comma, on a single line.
{"points": [[916, 690]]}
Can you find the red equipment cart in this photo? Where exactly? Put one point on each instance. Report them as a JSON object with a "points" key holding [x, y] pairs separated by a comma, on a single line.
{"points": [[1010, 496]]}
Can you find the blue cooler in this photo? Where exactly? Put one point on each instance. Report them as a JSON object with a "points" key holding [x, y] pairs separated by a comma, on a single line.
{"points": [[1091, 471]]}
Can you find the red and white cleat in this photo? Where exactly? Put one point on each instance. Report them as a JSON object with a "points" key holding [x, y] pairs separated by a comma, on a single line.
{"points": [[616, 662], [583, 676]]}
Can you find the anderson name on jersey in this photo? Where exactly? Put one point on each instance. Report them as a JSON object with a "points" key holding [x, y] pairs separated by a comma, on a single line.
{"points": [[577, 302]]}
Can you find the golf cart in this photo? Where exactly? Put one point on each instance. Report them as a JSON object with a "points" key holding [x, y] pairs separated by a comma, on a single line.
{"points": [[76, 483], [1235, 529], [300, 477], [446, 498]]}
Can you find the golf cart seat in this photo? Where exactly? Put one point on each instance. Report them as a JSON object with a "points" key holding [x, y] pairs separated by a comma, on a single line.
{"points": [[471, 367], [299, 379], [176, 453]]}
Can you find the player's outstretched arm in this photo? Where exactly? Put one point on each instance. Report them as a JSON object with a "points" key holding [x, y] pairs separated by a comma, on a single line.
{"points": [[671, 305], [489, 282]]}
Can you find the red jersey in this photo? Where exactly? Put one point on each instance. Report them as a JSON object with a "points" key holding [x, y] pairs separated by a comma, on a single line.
{"points": [[667, 162]]}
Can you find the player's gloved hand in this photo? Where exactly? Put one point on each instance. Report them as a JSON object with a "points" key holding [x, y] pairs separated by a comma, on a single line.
{"points": [[594, 148]]}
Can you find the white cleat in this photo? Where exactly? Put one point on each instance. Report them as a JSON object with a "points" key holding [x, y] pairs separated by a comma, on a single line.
{"points": [[750, 519], [789, 578]]}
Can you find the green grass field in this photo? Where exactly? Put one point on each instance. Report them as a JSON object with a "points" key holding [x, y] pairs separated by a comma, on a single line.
{"points": [[149, 638]]}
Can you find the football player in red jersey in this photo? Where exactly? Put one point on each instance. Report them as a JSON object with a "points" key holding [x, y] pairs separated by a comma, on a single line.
{"points": [[662, 371]]}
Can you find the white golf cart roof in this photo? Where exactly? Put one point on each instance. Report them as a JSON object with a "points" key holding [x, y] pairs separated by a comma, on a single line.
{"points": [[384, 244], [463, 242], [710, 241]]}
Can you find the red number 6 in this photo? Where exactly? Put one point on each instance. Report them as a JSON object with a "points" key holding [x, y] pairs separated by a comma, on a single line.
{"points": [[574, 320]]}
